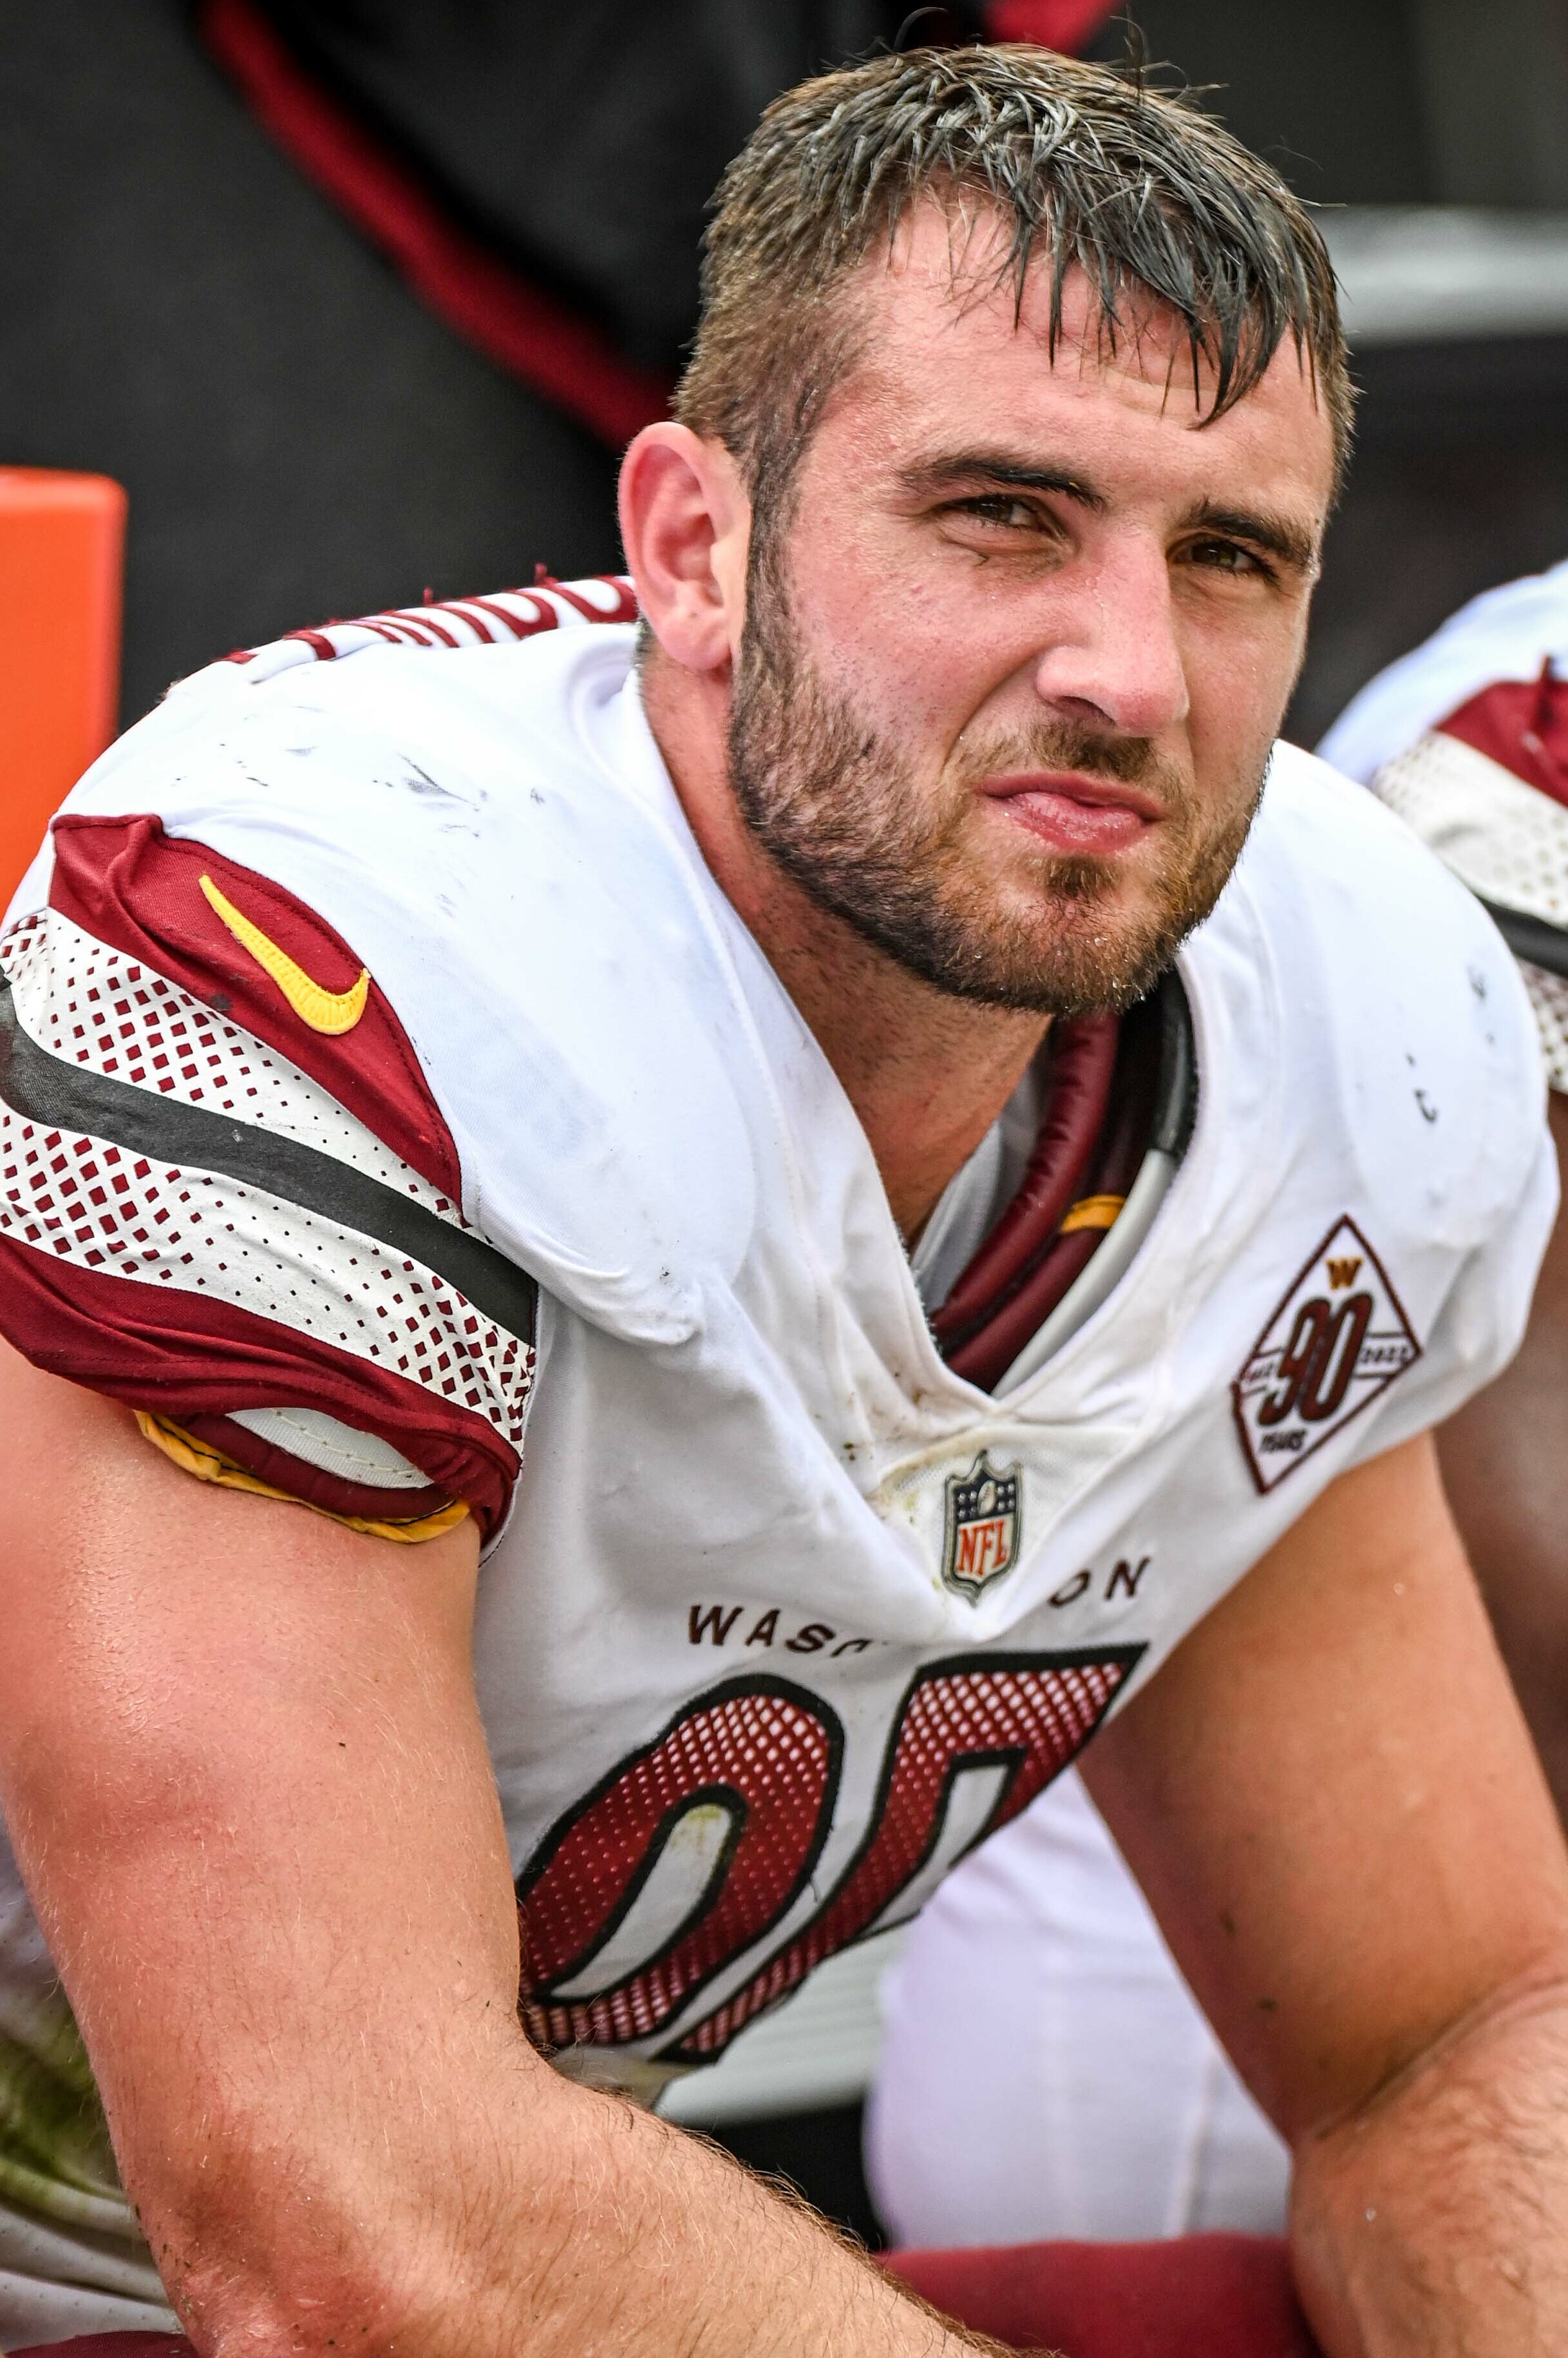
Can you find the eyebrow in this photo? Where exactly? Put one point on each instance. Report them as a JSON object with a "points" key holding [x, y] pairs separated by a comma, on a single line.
{"points": [[1279, 536], [1291, 543], [999, 467]]}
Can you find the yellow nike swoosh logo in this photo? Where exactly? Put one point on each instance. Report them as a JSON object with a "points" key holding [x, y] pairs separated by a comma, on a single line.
{"points": [[324, 1011]]}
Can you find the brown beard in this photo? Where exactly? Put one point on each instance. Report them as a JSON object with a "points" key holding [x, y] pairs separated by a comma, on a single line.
{"points": [[838, 806]]}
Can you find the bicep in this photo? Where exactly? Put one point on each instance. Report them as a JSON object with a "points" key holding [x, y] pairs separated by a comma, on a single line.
{"points": [[242, 1768], [1330, 1799]]}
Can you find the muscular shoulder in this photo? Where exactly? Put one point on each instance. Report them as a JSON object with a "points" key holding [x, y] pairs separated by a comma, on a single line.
{"points": [[352, 1006], [486, 835]]}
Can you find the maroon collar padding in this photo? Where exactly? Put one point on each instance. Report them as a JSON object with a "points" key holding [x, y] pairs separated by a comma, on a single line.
{"points": [[112, 2345], [1082, 1063], [986, 1356]]}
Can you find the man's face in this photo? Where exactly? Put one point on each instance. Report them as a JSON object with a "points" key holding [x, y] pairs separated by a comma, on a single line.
{"points": [[1014, 659]]}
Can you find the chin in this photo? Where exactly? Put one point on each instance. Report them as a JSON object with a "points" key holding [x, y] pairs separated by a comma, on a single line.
{"points": [[1089, 909], [1071, 957]]}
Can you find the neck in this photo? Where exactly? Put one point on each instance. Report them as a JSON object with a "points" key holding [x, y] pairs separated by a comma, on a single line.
{"points": [[927, 1074]]}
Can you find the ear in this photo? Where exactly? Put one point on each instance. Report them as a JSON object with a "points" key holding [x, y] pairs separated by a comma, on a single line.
{"points": [[685, 522]]}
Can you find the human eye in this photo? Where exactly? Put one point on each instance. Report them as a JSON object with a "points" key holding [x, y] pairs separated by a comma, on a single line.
{"points": [[1216, 553], [999, 521], [999, 508]]}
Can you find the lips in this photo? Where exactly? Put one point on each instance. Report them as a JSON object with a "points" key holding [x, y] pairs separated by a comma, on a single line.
{"points": [[1073, 813]]}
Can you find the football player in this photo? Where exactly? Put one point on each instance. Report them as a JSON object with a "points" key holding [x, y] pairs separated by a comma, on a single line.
{"points": [[650, 1273], [1468, 739], [1091, 2092]]}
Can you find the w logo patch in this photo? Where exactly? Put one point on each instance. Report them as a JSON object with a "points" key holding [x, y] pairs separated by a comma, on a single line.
{"points": [[1337, 1339]]}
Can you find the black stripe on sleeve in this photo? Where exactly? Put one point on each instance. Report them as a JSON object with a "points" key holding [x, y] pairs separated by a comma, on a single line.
{"points": [[1531, 939], [43, 1088]]}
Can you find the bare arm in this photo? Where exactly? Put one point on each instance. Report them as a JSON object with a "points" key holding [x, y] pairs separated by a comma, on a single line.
{"points": [[1504, 1467], [243, 1768], [1330, 1797]]}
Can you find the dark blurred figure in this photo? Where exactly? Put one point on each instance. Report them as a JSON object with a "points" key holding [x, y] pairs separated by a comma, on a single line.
{"points": [[360, 298], [182, 311], [581, 144], [300, 435]]}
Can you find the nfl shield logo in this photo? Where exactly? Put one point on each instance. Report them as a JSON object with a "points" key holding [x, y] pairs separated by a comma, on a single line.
{"points": [[984, 1525]]}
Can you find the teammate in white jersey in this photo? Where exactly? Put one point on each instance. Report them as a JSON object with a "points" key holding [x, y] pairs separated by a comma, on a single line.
{"points": [[1466, 738], [1090, 2093], [484, 1091]]}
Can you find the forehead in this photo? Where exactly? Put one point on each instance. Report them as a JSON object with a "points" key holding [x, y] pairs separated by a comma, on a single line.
{"points": [[952, 356]]}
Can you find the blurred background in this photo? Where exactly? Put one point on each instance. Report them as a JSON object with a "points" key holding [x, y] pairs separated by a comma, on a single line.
{"points": [[359, 298]]}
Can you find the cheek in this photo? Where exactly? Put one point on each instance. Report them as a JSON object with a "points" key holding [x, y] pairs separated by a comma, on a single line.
{"points": [[913, 645], [928, 655], [1239, 673], [894, 649]]}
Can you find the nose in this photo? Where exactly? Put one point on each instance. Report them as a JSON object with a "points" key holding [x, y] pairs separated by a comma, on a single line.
{"points": [[1115, 658]]}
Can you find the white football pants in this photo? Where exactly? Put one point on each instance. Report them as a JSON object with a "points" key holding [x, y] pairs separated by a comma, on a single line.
{"points": [[1045, 2073]]}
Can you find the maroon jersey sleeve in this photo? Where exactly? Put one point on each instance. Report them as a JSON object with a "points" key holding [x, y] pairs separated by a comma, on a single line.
{"points": [[229, 1199]]}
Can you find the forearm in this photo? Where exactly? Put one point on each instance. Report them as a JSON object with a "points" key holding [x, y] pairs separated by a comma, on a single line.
{"points": [[1434, 2223], [534, 2216], [242, 1766]]}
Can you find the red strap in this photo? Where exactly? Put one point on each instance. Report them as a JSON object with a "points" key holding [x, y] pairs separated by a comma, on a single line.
{"points": [[514, 324], [1066, 24], [1083, 1060]]}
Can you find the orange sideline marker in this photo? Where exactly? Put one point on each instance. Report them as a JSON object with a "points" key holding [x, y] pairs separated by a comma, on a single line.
{"points": [[61, 544]]}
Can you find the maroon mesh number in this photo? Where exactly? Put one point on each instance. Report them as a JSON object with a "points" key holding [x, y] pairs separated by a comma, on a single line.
{"points": [[763, 1750], [1031, 1714]]}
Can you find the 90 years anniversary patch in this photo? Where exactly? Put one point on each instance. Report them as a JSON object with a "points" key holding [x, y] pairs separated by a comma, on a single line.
{"points": [[1338, 1338]]}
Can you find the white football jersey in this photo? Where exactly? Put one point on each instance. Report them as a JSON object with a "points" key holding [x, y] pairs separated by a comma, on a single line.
{"points": [[1506, 634], [382, 1065], [1467, 738]]}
